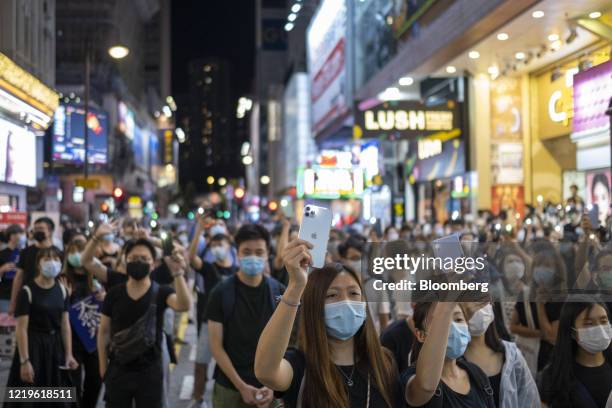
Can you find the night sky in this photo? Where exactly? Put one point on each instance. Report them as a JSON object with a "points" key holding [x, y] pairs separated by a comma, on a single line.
{"points": [[213, 28]]}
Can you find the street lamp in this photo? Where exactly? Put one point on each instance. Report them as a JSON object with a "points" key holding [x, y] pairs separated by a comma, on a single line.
{"points": [[118, 51]]}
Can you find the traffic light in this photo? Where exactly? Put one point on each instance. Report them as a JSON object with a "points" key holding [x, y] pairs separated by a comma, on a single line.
{"points": [[104, 208], [239, 193], [272, 206], [118, 193]]}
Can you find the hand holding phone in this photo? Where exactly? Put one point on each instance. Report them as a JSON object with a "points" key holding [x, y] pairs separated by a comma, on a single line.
{"points": [[167, 244], [314, 228], [448, 247]]}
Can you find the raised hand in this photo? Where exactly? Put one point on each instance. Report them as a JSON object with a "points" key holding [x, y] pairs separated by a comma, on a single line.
{"points": [[296, 258]]}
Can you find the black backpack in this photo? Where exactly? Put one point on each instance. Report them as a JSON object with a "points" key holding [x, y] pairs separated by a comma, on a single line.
{"points": [[229, 295]]}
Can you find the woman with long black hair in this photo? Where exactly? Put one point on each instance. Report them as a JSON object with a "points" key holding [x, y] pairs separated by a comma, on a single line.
{"points": [[83, 288], [44, 338], [580, 375], [339, 362]]}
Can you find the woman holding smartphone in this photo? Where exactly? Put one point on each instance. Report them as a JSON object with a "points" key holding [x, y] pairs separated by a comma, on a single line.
{"points": [[340, 362], [44, 338]]}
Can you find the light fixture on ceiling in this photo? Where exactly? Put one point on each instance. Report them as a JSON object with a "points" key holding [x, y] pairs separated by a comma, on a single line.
{"points": [[537, 14], [556, 45], [595, 14], [519, 55], [502, 36], [451, 69], [493, 71], [474, 54], [553, 37], [406, 81], [288, 26]]}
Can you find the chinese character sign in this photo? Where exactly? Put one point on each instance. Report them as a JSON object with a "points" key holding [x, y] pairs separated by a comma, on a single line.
{"points": [[85, 319]]}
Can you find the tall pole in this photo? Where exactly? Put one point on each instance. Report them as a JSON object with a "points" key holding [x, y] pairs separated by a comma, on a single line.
{"points": [[86, 129]]}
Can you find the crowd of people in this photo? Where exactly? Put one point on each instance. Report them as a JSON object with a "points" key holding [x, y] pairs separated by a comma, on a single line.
{"points": [[97, 311]]}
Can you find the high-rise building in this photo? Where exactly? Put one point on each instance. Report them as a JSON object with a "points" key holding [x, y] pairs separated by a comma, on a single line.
{"points": [[212, 146]]}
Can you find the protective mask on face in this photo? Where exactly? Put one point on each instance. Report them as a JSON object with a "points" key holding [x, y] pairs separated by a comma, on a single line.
{"points": [[520, 236], [544, 275], [343, 319], [183, 239], [23, 241], [74, 259], [392, 236], [219, 252], [138, 270], [595, 339], [355, 265], [514, 270], [108, 237], [39, 236], [50, 269], [217, 229], [458, 339], [605, 280], [252, 265], [479, 323]]}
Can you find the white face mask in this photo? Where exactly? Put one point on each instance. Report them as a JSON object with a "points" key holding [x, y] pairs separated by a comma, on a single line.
{"points": [[595, 339], [514, 270], [482, 319], [392, 236]]}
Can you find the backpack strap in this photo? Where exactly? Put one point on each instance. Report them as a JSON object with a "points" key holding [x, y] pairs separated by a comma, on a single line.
{"points": [[300, 396], [29, 293], [274, 288], [481, 379], [63, 289], [229, 297]]}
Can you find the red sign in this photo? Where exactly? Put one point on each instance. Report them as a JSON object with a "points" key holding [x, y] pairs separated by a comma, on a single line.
{"points": [[8, 218]]}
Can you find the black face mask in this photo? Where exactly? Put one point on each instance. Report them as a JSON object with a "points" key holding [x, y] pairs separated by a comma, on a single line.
{"points": [[138, 270], [39, 236]]}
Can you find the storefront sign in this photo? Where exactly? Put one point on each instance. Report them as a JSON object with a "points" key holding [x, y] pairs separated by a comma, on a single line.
{"points": [[8, 218], [592, 93], [507, 163], [125, 120], [449, 162], [326, 49], [168, 152], [27, 87], [330, 182], [428, 148], [17, 154], [407, 119]]}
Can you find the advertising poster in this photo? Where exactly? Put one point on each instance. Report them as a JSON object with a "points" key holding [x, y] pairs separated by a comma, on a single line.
{"points": [[577, 178], [598, 186], [506, 120], [17, 154], [68, 136], [508, 198], [507, 163]]}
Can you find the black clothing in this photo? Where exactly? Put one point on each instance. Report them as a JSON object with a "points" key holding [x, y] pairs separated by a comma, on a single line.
{"points": [[6, 281], [252, 310], [211, 274], [114, 278], [398, 338], [27, 262], [597, 380], [553, 311], [479, 395], [143, 385], [357, 393], [495, 384], [45, 308]]}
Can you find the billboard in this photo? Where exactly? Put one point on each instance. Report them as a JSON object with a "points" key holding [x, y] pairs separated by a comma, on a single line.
{"points": [[140, 145], [68, 145], [17, 154], [598, 187], [326, 53]]}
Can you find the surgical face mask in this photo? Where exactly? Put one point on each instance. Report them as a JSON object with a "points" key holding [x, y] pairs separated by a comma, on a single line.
{"points": [[355, 265], [605, 280], [50, 269], [219, 252], [138, 270], [108, 237], [343, 319], [544, 275], [479, 323], [392, 236], [217, 229], [595, 339], [183, 239], [520, 236], [514, 270], [252, 265], [74, 259], [458, 340], [439, 231], [23, 241]]}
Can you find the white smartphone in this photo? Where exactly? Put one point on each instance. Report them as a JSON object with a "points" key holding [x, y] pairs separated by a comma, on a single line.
{"points": [[314, 228], [448, 247]]}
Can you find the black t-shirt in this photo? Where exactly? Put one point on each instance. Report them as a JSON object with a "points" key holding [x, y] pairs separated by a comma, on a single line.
{"points": [[495, 384], [80, 287], [449, 398], [211, 274], [114, 278], [553, 311], [252, 310], [27, 262], [398, 338], [125, 311], [358, 393], [7, 255], [46, 308], [597, 380]]}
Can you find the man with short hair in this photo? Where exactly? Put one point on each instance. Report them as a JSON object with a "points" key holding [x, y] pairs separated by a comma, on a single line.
{"points": [[42, 233], [237, 312], [132, 323]]}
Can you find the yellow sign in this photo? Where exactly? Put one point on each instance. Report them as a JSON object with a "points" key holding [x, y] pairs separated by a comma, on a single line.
{"points": [[27, 87], [88, 183], [408, 120]]}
